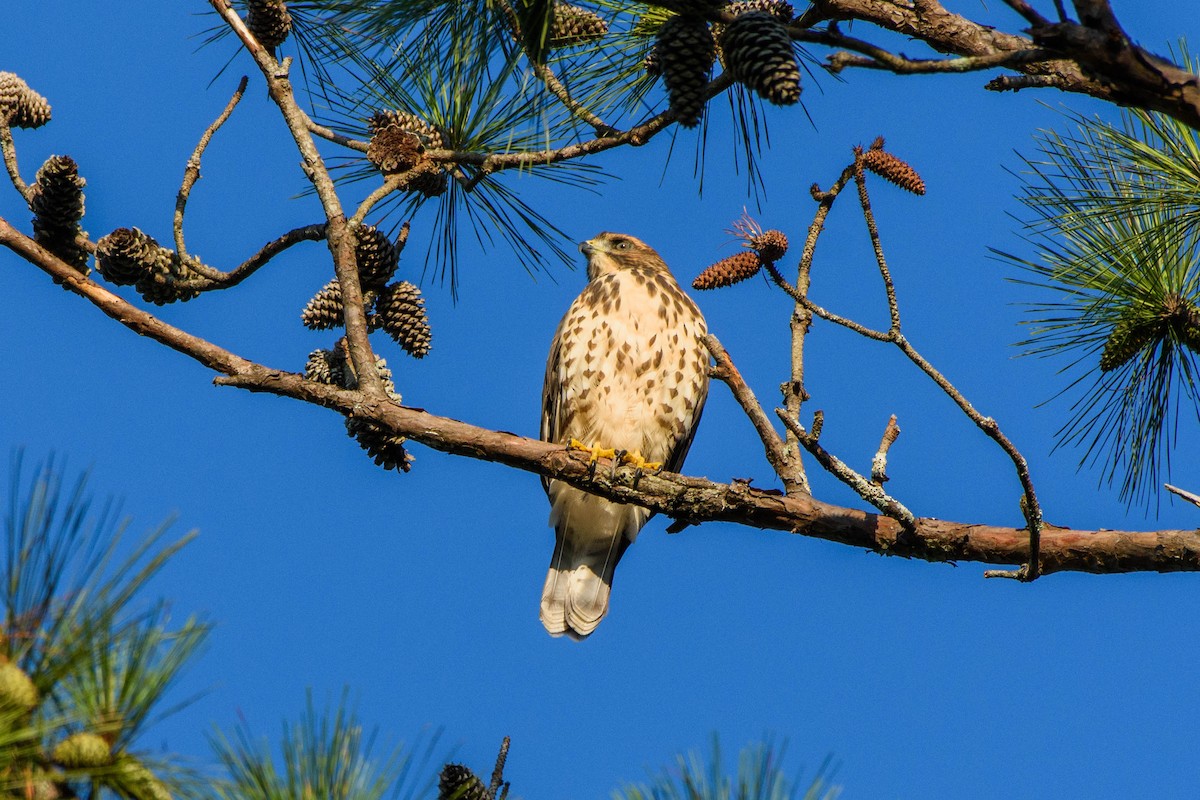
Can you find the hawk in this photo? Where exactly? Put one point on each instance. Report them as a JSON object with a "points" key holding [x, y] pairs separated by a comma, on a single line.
{"points": [[627, 372]]}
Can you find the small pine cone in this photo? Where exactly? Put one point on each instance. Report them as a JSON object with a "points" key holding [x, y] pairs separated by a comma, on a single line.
{"points": [[401, 313], [83, 750], [134, 780], [574, 25], [771, 245], [326, 366], [759, 53], [384, 448], [459, 783], [728, 271], [166, 282], [779, 9], [377, 258], [57, 205], [432, 181], [21, 106], [1129, 335], [430, 136], [269, 21], [324, 311], [652, 64], [685, 52], [125, 255], [891, 168], [393, 149], [17, 692]]}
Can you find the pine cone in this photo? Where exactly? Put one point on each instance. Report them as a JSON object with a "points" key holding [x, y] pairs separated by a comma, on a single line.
{"points": [[779, 9], [376, 257], [133, 780], [129, 257], [17, 692], [324, 311], [759, 53], [574, 25], [83, 750], [57, 205], [21, 106], [400, 310], [770, 245], [432, 181], [1129, 335], [891, 168], [728, 271], [684, 51], [325, 366], [393, 149], [269, 21], [459, 783], [430, 136]]}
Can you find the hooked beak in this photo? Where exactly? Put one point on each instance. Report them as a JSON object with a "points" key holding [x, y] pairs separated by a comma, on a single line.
{"points": [[586, 247]]}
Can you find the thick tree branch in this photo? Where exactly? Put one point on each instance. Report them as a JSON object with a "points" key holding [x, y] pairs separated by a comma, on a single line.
{"points": [[1093, 56], [678, 496]]}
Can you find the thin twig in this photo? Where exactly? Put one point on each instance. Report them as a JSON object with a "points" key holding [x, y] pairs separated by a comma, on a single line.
{"points": [[10, 162], [215, 279], [876, 245], [879, 462], [191, 173], [868, 491], [1194, 499], [337, 138], [498, 772], [390, 184], [837, 319], [786, 467]]}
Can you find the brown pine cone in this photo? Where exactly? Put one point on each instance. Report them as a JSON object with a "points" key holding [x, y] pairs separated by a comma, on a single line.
{"points": [[759, 53], [57, 205], [458, 783], [400, 311], [377, 258], [393, 150], [728, 271], [269, 21], [891, 168], [685, 51], [430, 136], [21, 106]]}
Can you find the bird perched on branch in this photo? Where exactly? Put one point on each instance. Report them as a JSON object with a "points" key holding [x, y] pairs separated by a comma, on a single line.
{"points": [[626, 379]]}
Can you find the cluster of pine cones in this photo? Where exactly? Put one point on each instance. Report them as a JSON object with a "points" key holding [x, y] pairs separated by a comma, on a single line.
{"points": [[83, 752], [754, 48], [129, 257], [396, 308]]}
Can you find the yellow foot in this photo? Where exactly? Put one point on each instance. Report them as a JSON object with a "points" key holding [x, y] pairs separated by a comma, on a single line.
{"points": [[618, 456], [638, 461], [596, 450]]}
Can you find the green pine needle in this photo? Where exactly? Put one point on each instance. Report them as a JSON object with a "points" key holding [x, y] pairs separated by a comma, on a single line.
{"points": [[1115, 217]]}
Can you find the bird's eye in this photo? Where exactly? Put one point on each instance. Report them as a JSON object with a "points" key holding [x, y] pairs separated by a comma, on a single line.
{"points": [[622, 245]]}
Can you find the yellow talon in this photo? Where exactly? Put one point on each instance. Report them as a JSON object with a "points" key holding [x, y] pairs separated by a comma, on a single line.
{"points": [[596, 450], [638, 461]]}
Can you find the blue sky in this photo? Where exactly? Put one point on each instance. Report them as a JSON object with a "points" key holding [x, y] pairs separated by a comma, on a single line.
{"points": [[420, 592]]}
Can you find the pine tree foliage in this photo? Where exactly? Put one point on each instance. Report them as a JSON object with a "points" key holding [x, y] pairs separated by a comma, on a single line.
{"points": [[1115, 218], [87, 664]]}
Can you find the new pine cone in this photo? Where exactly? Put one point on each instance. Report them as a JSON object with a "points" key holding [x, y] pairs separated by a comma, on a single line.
{"points": [[17, 692], [57, 206], [21, 106], [575, 25], [684, 52], [458, 783], [891, 168], [758, 51], [83, 750], [728, 271]]}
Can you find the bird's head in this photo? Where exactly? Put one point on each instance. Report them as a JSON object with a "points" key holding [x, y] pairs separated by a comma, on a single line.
{"points": [[610, 252]]}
